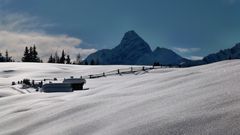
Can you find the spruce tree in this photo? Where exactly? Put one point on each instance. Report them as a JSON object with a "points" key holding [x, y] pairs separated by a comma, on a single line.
{"points": [[7, 57], [62, 59], [92, 62], [25, 57], [51, 60], [68, 60], [31, 59], [56, 58], [30, 55], [35, 55], [78, 59], [1, 58]]}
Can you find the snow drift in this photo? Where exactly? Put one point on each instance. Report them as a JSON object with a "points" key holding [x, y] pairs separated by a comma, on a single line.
{"points": [[190, 101]]}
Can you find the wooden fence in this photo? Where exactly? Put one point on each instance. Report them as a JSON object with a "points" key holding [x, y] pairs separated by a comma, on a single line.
{"points": [[130, 70]]}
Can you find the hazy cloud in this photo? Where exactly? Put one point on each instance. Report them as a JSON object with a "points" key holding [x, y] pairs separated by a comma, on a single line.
{"points": [[195, 57], [18, 22], [46, 44], [186, 50], [20, 30]]}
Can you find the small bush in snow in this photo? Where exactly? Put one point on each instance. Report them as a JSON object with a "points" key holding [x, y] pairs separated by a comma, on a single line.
{"points": [[26, 81]]}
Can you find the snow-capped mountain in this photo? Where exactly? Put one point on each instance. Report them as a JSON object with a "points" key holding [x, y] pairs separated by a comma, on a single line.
{"points": [[133, 50]]}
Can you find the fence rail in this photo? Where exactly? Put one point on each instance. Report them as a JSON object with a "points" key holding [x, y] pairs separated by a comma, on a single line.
{"points": [[130, 70], [121, 71]]}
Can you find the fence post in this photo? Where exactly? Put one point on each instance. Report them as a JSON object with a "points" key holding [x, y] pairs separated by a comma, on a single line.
{"points": [[143, 68], [33, 83], [131, 69], [41, 84], [104, 74]]}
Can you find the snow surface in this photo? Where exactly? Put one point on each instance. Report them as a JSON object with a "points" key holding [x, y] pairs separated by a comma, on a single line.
{"points": [[191, 101]]}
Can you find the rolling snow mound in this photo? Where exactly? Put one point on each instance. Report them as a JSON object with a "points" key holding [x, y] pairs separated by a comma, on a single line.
{"points": [[188, 101]]}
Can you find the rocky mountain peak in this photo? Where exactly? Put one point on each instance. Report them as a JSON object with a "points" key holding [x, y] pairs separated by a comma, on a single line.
{"points": [[133, 50], [131, 38], [131, 35]]}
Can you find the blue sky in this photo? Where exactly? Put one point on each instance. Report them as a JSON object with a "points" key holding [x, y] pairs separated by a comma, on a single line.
{"points": [[193, 28]]}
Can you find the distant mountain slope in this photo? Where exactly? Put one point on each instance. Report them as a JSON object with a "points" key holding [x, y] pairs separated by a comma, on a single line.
{"points": [[226, 54], [133, 50], [232, 53], [163, 56]]}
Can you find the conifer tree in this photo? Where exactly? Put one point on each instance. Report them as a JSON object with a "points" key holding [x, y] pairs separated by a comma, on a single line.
{"points": [[1, 58], [30, 55], [56, 58], [35, 55], [51, 60], [25, 57], [62, 59], [7, 59], [78, 59], [68, 60], [92, 62], [31, 59]]}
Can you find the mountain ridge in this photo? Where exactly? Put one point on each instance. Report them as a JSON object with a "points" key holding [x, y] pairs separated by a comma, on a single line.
{"points": [[225, 54], [133, 50]]}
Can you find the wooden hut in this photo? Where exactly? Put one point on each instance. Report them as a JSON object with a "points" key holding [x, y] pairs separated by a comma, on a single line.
{"points": [[76, 83], [56, 87]]}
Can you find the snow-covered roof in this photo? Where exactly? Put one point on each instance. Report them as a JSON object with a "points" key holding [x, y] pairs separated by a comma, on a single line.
{"points": [[57, 87], [74, 81]]}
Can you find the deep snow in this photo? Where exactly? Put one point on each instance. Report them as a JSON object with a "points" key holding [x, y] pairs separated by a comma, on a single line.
{"points": [[192, 101]]}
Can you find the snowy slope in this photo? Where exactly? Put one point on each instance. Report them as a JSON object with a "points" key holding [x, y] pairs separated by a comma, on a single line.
{"points": [[192, 101]]}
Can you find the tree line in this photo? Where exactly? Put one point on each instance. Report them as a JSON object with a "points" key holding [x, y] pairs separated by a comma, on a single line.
{"points": [[30, 54], [6, 57], [64, 59]]}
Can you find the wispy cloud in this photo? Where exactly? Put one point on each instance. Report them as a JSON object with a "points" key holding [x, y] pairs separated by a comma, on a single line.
{"points": [[19, 22], [186, 50], [15, 42], [18, 30], [195, 57]]}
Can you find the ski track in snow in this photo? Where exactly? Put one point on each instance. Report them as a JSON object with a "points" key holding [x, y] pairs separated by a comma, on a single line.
{"points": [[189, 101]]}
